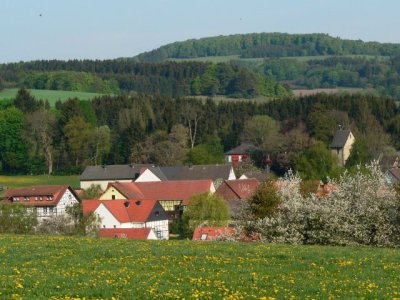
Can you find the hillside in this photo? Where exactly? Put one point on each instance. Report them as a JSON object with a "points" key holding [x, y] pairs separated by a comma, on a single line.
{"points": [[46, 267], [263, 45], [301, 61]]}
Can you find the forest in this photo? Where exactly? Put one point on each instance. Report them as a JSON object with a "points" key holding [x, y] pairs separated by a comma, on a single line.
{"points": [[127, 76], [161, 130], [299, 60]]}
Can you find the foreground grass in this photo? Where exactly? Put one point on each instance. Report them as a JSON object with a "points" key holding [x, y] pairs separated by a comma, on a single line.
{"points": [[34, 267], [50, 95]]}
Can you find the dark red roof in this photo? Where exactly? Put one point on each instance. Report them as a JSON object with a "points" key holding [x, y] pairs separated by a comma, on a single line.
{"points": [[211, 233], [43, 195], [163, 190], [242, 188], [129, 233], [136, 211]]}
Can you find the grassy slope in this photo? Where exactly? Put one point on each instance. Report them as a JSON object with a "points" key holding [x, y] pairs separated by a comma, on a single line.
{"points": [[26, 180], [34, 267], [51, 96]]}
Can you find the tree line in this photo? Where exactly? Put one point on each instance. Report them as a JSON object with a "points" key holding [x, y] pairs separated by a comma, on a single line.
{"points": [[127, 76], [268, 45], [162, 130]]}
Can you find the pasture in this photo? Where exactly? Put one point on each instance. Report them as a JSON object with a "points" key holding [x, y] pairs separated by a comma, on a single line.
{"points": [[50, 95], [46, 267], [29, 180]]}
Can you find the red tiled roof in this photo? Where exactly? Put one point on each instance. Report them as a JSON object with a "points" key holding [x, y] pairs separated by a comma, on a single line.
{"points": [[243, 188], [129, 233], [137, 211], [164, 190], [32, 195], [211, 233]]}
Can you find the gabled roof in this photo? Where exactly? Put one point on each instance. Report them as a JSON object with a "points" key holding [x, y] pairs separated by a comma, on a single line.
{"points": [[163, 190], [119, 172], [197, 172], [244, 148], [243, 188], [211, 233], [125, 211], [340, 138], [129, 233], [28, 195]]}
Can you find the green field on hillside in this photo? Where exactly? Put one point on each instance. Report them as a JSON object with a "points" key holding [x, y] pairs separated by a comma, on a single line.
{"points": [[40, 267], [27, 180], [50, 95]]}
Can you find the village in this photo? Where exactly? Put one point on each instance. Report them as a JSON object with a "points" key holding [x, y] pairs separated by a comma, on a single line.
{"points": [[141, 201]]}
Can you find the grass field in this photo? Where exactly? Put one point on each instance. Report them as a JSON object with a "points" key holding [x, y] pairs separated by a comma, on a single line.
{"points": [[40, 267], [26, 180], [51, 96]]}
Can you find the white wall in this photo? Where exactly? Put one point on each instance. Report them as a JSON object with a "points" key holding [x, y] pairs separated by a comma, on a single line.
{"points": [[107, 219], [232, 175], [147, 176]]}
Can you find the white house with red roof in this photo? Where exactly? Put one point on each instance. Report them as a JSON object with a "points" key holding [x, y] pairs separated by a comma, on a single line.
{"points": [[130, 214], [48, 200], [173, 195]]}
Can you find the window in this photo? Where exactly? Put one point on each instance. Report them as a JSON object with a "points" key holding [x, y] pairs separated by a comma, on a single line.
{"points": [[115, 226], [41, 198], [113, 197], [36, 198], [104, 226], [49, 198], [26, 198], [45, 210], [203, 237], [157, 213], [51, 210]]}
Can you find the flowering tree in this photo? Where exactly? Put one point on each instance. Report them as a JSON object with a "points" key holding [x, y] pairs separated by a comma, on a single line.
{"points": [[362, 209]]}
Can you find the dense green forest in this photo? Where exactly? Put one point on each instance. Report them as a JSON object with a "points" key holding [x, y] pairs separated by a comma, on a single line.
{"points": [[299, 60], [268, 45], [165, 131], [124, 75]]}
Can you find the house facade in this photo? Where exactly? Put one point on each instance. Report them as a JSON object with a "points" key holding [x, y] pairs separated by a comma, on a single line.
{"points": [[48, 201], [130, 214], [341, 145], [172, 195], [238, 154]]}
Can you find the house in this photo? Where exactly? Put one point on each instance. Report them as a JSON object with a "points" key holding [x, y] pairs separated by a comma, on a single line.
{"points": [[238, 154], [217, 173], [104, 174], [48, 200], [212, 233], [341, 145], [172, 195], [236, 191], [130, 214], [129, 233]]}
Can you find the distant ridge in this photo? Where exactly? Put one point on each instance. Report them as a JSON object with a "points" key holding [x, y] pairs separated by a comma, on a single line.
{"points": [[256, 45]]}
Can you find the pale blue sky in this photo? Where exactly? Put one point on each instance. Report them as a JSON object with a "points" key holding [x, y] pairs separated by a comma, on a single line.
{"points": [[100, 29]]}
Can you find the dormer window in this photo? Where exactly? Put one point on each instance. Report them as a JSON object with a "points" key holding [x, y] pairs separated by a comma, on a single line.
{"points": [[41, 198], [203, 236], [36, 198], [26, 198], [49, 198], [15, 198]]}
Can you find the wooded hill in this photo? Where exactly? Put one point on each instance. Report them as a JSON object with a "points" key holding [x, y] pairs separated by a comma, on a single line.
{"points": [[125, 75], [299, 60]]}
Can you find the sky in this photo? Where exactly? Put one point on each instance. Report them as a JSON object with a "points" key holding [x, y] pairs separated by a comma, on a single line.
{"points": [[106, 29]]}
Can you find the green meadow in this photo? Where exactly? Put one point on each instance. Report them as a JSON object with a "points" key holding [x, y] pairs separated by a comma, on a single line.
{"points": [[50, 95], [29, 180], [44, 267]]}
